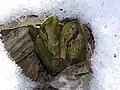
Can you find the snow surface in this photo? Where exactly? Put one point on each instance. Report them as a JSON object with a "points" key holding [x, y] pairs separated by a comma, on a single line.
{"points": [[10, 77], [102, 15]]}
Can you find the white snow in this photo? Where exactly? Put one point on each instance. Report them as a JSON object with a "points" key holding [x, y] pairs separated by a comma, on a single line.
{"points": [[10, 77], [104, 18]]}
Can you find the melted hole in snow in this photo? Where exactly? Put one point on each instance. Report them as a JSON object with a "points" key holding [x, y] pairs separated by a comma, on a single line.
{"points": [[15, 36]]}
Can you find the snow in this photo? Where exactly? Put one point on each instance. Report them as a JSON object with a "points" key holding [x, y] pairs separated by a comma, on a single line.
{"points": [[103, 17], [10, 74]]}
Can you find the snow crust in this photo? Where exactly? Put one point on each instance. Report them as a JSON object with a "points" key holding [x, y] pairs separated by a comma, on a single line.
{"points": [[10, 74], [104, 19]]}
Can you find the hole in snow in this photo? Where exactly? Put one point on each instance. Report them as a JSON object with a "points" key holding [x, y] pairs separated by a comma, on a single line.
{"points": [[21, 48]]}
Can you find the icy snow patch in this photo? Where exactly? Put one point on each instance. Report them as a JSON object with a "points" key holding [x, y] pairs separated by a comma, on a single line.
{"points": [[10, 77], [104, 18]]}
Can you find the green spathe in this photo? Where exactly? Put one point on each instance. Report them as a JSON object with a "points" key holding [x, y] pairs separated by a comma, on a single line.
{"points": [[60, 44]]}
